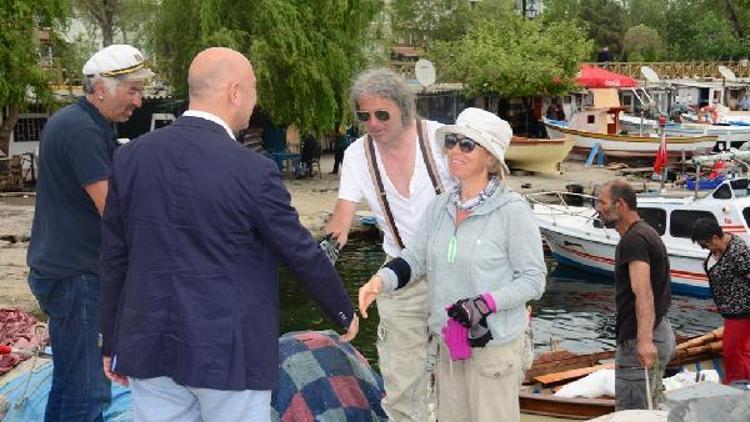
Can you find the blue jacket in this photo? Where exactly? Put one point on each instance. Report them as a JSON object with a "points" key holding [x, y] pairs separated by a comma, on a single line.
{"points": [[193, 231]]}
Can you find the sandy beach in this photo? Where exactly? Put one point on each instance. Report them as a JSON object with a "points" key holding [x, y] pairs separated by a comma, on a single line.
{"points": [[313, 198]]}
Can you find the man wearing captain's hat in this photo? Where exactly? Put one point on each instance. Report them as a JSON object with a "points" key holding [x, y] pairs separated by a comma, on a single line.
{"points": [[74, 163]]}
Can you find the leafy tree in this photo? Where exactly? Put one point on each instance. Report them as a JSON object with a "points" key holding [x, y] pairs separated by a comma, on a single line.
{"points": [[643, 43], [651, 13], [562, 11], [422, 21], [304, 53], [22, 79], [606, 23], [513, 57], [604, 20], [126, 21], [704, 32]]}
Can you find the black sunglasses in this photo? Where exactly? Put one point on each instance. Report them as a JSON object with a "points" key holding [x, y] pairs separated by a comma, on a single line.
{"points": [[466, 145], [382, 115]]}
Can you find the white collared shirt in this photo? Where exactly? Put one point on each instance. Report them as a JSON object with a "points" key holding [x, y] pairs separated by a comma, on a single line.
{"points": [[356, 184], [210, 117]]}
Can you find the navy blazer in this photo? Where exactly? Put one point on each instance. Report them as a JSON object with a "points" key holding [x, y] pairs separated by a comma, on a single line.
{"points": [[193, 231]]}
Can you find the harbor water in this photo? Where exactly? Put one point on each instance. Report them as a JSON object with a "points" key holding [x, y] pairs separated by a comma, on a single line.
{"points": [[577, 310]]}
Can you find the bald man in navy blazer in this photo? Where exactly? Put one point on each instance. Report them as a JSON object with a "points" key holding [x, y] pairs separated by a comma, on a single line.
{"points": [[194, 229]]}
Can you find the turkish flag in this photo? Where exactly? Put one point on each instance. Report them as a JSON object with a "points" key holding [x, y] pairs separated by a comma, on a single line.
{"points": [[661, 156]]}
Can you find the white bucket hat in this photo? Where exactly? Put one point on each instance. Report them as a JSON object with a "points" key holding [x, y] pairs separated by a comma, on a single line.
{"points": [[119, 61], [487, 129]]}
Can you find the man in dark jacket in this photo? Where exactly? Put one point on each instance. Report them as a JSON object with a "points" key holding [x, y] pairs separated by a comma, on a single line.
{"points": [[194, 228]]}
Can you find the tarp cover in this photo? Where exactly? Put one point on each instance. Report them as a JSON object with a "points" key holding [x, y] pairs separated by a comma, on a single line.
{"points": [[321, 379]]}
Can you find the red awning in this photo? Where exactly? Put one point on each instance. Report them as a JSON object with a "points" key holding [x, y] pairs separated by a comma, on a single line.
{"points": [[592, 76]]}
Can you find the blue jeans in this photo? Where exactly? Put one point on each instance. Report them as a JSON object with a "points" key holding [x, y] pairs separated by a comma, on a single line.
{"points": [[80, 391]]}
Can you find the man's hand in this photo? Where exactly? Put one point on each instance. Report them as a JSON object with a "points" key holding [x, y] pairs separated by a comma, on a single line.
{"points": [[341, 221], [368, 293], [339, 236], [120, 379], [352, 331], [647, 354]]}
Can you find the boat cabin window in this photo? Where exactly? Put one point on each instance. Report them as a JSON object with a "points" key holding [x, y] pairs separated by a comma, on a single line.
{"points": [[740, 187], [590, 119], [723, 192], [681, 222], [656, 217], [739, 184]]}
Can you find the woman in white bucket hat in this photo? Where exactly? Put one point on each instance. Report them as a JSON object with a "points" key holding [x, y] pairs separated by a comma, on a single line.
{"points": [[482, 252]]}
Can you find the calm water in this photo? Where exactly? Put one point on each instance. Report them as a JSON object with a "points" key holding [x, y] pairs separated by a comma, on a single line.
{"points": [[577, 308]]}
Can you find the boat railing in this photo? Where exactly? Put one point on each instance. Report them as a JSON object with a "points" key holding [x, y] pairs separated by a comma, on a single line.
{"points": [[556, 203]]}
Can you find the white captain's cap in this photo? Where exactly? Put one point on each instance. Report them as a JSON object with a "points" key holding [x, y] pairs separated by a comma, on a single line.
{"points": [[119, 61]]}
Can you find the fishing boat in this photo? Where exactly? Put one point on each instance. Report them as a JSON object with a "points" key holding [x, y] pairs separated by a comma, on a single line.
{"points": [[601, 126], [537, 155], [551, 370], [577, 238], [730, 135]]}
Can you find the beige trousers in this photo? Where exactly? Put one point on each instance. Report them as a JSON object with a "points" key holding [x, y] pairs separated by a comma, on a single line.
{"points": [[483, 387], [402, 352]]}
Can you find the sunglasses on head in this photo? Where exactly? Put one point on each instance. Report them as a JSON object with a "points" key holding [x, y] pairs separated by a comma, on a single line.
{"points": [[466, 145], [382, 115]]}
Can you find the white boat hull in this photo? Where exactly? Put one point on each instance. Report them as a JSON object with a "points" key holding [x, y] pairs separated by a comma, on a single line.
{"points": [[576, 238], [598, 256]]}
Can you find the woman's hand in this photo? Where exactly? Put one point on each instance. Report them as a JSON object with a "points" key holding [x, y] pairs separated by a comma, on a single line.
{"points": [[368, 293]]}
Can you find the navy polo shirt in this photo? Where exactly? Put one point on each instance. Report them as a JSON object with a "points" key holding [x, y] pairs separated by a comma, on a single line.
{"points": [[75, 151]]}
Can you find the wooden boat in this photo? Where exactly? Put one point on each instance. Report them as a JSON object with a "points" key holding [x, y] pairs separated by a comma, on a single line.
{"points": [[729, 134], [538, 155], [602, 126], [599, 124], [553, 369]]}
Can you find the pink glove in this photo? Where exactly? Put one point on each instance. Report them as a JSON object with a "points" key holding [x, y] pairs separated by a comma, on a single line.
{"points": [[456, 337]]}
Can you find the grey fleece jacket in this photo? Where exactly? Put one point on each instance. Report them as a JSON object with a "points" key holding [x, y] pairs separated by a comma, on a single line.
{"points": [[499, 250]]}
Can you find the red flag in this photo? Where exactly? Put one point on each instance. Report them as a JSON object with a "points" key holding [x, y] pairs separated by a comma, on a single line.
{"points": [[717, 170], [661, 155]]}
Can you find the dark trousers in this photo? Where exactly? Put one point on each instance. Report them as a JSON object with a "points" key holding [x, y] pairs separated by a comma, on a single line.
{"points": [[80, 391], [630, 380], [338, 157]]}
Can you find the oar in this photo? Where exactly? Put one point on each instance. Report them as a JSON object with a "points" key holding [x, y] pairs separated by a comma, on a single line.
{"points": [[716, 334]]}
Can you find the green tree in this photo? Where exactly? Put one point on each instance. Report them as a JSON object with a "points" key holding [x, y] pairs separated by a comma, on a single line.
{"points": [[514, 57], [651, 13], [562, 11], [606, 23], [418, 22], [642, 43], [126, 21], [22, 78], [702, 31], [304, 53], [604, 20]]}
